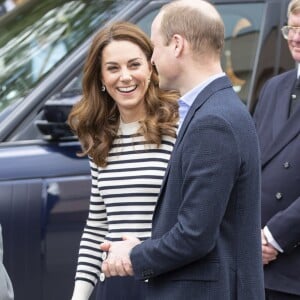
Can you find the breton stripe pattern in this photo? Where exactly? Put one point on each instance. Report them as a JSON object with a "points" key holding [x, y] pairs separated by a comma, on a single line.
{"points": [[123, 196]]}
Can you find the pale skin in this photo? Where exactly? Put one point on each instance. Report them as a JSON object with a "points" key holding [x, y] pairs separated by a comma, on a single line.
{"points": [[126, 76], [294, 40], [269, 253], [118, 261]]}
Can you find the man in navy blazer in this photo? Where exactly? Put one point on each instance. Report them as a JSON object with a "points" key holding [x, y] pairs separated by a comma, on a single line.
{"points": [[277, 117], [206, 240]]}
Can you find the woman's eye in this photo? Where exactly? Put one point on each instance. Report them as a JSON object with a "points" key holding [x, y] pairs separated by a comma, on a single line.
{"points": [[112, 68], [135, 65]]}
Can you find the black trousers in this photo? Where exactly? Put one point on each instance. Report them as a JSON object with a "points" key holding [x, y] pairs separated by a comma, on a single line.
{"points": [[275, 295]]}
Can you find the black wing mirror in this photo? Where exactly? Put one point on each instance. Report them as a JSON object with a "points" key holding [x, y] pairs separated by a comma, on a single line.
{"points": [[55, 114]]}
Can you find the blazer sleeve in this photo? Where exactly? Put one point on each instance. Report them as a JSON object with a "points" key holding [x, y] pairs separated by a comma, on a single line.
{"points": [[285, 226], [210, 168]]}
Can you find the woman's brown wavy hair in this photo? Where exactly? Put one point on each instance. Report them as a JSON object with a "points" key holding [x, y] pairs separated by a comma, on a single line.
{"points": [[95, 118]]}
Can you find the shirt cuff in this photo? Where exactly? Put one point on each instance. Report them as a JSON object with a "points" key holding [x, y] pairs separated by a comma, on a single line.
{"points": [[271, 240]]}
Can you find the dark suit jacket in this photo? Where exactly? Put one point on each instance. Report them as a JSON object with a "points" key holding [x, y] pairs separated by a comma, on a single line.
{"points": [[280, 145], [206, 227]]}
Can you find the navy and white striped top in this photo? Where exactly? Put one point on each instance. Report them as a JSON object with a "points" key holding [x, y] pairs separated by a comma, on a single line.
{"points": [[123, 198]]}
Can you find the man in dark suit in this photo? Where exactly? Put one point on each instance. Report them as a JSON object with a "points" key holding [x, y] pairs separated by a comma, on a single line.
{"points": [[277, 117], [206, 228]]}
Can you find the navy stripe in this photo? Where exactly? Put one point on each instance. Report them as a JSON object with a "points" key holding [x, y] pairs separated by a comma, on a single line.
{"points": [[130, 230], [126, 186], [142, 169], [90, 248], [131, 161], [131, 204], [90, 265], [129, 195], [143, 151], [90, 240], [125, 221], [88, 255], [85, 279], [132, 177], [126, 136], [130, 213]]}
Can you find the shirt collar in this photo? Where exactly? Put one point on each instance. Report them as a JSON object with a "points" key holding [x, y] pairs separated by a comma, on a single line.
{"points": [[186, 101], [191, 95]]}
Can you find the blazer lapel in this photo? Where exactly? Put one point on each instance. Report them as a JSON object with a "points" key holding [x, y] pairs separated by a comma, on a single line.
{"points": [[203, 96], [282, 103], [289, 131]]}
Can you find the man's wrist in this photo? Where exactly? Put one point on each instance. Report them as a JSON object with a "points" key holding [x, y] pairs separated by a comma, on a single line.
{"points": [[270, 239]]}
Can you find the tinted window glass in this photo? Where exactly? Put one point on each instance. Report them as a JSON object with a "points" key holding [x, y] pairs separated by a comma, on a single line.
{"points": [[242, 27], [38, 35]]}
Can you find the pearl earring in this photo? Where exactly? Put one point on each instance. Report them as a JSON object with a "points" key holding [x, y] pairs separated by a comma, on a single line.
{"points": [[103, 88]]}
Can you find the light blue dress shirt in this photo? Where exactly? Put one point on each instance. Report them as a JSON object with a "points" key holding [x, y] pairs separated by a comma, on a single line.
{"points": [[186, 101]]}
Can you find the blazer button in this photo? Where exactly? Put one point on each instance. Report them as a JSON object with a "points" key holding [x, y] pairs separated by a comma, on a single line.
{"points": [[278, 196], [286, 165], [104, 255]]}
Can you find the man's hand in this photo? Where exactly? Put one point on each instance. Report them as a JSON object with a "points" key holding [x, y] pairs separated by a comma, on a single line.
{"points": [[118, 261], [269, 253]]}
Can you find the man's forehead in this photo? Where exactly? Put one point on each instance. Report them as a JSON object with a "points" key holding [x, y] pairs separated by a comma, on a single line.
{"points": [[157, 20], [155, 25]]}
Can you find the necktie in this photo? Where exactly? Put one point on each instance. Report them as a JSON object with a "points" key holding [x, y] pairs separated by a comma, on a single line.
{"points": [[295, 97]]}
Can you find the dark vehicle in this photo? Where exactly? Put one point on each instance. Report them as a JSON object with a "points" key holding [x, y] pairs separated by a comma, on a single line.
{"points": [[44, 186]]}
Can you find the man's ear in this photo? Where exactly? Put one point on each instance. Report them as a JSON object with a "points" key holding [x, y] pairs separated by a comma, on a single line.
{"points": [[178, 41]]}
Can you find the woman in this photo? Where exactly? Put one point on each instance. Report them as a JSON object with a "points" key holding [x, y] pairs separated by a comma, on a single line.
{"points": [[127, 127]]}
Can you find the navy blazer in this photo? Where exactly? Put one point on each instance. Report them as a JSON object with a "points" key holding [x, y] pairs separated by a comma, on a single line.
{"points": [[206, 227], [279, 137]]}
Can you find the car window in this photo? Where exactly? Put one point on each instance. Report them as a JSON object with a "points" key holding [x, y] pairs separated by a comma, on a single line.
{"points": [[38, 35], [242, 28]]}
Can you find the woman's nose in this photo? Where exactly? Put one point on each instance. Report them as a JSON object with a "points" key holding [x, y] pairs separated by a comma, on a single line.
{"points": [[125, 76]]}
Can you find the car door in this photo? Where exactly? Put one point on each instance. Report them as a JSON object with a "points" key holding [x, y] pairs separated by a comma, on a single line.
{"points": [[43, 206]]}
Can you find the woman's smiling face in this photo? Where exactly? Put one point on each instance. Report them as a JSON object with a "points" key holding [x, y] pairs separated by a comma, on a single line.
{"points": [[126, 74]]}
